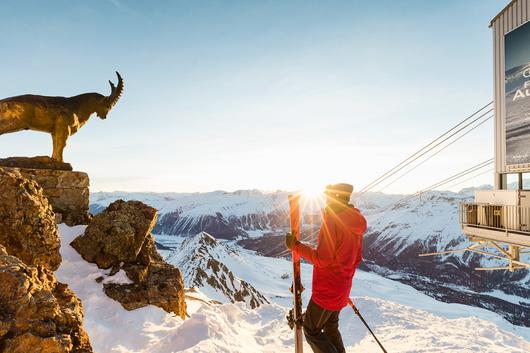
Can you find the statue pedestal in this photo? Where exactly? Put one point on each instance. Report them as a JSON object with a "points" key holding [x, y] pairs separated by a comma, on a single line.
{"points": [[66, 190]]}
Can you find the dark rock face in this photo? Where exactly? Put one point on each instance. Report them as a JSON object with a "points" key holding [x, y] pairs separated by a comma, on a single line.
{"points": [[273, 244], [155, 282], [120, 237], [37, 313], [27, 222], [39, 162], [267, 245], [219, 226]]}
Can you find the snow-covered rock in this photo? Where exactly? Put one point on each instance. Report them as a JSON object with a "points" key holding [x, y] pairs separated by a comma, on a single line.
{"points": [[120, 238]]}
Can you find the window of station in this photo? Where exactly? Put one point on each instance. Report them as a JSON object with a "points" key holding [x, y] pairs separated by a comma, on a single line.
{"points": [[512, 181], [526, 181]]}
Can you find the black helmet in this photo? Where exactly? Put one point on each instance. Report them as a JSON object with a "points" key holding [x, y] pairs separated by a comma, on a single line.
{"points": [[341, 191]]}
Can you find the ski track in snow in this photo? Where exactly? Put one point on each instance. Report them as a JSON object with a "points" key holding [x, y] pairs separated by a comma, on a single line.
{"points": [[404, 319]]}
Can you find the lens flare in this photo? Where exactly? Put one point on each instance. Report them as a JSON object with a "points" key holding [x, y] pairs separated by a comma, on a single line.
{"points": [[313, 191], [312, 198]]}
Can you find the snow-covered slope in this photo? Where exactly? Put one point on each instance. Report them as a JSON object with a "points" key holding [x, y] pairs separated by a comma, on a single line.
{"points": [[230, 328], [201, 259], [404, 319], [431, 221]]}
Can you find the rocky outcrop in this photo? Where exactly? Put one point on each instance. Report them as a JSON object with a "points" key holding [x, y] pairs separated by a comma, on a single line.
{"points": [[155, 282], [120, 238], [39, 162], [67, 191], [37, 313], [117, 234], [27, 227]]}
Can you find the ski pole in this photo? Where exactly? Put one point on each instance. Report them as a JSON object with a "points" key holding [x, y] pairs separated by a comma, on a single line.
{"points": [[350, 303]]}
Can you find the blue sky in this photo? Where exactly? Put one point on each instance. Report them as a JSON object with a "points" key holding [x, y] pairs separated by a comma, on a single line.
{"points": [[255, 94]]}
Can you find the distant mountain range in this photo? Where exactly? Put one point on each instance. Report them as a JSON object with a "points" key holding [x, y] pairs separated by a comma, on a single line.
{"points": [[397, 234], [225, 215]]}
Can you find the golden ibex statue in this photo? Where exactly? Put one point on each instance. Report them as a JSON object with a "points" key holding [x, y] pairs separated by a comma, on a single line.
{"points": [[59, 116]]}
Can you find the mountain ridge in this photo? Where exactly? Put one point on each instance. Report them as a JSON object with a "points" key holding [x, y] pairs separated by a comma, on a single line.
{"points": [[398, 231]]}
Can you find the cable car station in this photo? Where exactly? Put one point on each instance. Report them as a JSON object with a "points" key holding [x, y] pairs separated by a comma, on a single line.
{"points": [[498, 221]]}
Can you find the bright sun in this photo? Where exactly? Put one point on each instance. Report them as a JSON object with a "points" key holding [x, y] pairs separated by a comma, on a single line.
{"points": [[312, 197], [313, 190]]}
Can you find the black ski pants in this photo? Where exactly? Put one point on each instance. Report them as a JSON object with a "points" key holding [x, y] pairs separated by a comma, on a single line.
{"points": [[321, 329]]}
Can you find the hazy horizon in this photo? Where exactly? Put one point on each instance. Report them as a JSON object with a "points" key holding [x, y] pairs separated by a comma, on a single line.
{"points": [[458, 190]]}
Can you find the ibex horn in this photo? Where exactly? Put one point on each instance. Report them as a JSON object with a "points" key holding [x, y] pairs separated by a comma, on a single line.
{"points": [[115, 92]]}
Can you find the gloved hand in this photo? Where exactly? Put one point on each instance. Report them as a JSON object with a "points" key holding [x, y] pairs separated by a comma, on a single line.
{"points": [[290, 241]]}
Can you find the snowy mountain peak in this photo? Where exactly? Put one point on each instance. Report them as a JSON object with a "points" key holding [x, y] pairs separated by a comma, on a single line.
{"points": [[203, 262], [202, 244], [201, 239]]}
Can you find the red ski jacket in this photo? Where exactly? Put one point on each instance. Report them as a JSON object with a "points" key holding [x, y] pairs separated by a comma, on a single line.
{"points": [[336, 257]]}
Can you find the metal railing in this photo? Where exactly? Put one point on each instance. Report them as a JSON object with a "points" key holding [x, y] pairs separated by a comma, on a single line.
{"points": [[506, 218]]}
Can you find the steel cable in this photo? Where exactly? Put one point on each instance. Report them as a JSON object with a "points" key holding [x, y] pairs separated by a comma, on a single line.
{"points": [[426, 149]]}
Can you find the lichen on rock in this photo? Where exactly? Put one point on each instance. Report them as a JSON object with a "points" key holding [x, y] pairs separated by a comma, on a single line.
{"points": [[27, 222], [117, 234], [37, 313]]}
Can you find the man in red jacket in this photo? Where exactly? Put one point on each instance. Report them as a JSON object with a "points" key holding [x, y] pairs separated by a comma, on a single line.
{"points": [[335, 259]]}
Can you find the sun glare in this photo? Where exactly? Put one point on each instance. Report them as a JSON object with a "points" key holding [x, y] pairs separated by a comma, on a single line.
{"points": [[312, 198], [313, 191]]}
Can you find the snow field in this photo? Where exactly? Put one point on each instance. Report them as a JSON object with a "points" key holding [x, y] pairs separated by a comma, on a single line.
{"points": [[405, 320]]}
